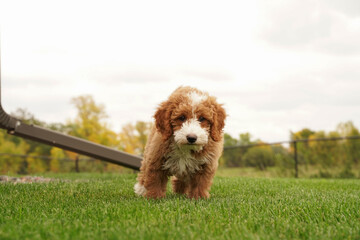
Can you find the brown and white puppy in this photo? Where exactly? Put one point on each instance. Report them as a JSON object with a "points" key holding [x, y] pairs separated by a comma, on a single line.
{"points": [[185, 142]]}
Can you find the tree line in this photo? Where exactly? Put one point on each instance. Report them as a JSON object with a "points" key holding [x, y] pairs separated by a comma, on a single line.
{"points": [[324, 155], [91, 124]]}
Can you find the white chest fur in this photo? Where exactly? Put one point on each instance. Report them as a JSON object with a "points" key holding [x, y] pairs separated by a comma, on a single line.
{"points": [[181, 162]]}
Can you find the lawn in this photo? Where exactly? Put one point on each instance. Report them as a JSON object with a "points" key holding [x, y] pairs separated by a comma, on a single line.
{"points": [[103, 206]]}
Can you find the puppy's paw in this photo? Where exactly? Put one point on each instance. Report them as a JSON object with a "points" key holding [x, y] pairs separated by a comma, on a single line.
{"points": [[154, 195], [196, 194], [179, 187], [139, 189]]}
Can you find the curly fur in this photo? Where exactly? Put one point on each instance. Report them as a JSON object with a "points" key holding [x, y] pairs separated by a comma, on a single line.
{"points": [[168, 152]]}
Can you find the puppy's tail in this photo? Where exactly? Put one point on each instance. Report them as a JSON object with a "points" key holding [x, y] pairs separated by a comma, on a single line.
{"points": [[140, 189]]}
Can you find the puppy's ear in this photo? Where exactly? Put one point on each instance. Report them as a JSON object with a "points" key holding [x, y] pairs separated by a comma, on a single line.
{"points": [[163, 120], [218, 122]]}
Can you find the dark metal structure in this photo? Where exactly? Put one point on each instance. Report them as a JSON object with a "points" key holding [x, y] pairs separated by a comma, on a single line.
{"points": [[74, 144]]}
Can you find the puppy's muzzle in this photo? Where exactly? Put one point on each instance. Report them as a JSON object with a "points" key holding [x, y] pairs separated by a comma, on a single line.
{"points": [[191, 138]]}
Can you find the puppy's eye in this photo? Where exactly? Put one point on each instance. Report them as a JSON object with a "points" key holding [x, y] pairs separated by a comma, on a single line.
{"points": [[201, 119], [182, 118]]}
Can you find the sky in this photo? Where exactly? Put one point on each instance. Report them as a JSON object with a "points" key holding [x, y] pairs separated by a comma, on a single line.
{"points": [[277, 66]]}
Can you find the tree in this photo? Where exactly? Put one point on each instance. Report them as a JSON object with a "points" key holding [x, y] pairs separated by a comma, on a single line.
{"points": [[234, 157], [347, 129], [26, 117], [231, 156], [244, 139], [322, 152], [303, 150], [302, 134], [10, 163], [89, 124], [352, 147], [260, 157], [33, 164], [16, 145], [282, 157], [133, 137], [342, 153], [57, 154]]}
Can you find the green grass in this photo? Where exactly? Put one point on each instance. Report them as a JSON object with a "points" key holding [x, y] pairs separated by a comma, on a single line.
{"points": [[103, 206], [305, 171]]}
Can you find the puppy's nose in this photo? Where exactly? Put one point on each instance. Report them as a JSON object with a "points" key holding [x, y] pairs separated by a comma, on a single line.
{"points": [[191, 138]]}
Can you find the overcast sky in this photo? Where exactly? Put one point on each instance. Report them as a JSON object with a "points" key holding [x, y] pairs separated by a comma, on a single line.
{"points": [[278, 66]]}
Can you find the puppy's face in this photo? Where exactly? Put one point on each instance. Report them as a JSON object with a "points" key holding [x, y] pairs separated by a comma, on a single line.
{"points": [[190, 120], [191, 116]]}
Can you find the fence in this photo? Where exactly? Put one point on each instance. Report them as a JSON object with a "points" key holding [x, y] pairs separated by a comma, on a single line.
{"points": [[320, 157], [25, 164]]}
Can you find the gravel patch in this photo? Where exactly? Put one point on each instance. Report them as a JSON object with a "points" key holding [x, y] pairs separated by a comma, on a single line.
{"points": [[25, 179]]}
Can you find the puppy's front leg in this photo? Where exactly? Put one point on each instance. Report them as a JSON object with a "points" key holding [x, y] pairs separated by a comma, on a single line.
{"points": [[179, 186], [200, 184], [155, 183]]}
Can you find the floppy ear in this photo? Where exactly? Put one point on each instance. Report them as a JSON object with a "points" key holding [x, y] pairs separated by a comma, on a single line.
{"points": [[162, 120], [218, 123]]}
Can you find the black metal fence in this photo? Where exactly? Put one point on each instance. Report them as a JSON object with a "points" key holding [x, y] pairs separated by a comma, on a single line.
{"points": [[337, 157]]}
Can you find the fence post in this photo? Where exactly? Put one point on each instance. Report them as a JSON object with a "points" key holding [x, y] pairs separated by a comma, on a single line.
{"points": [[296, 159], [77, 164]]}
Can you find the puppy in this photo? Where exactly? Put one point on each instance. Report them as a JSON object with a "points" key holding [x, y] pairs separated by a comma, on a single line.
{"points": [[186, 142]]}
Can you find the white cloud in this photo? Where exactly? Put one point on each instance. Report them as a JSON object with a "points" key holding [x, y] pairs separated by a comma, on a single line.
{"points": [[331, 27]]}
